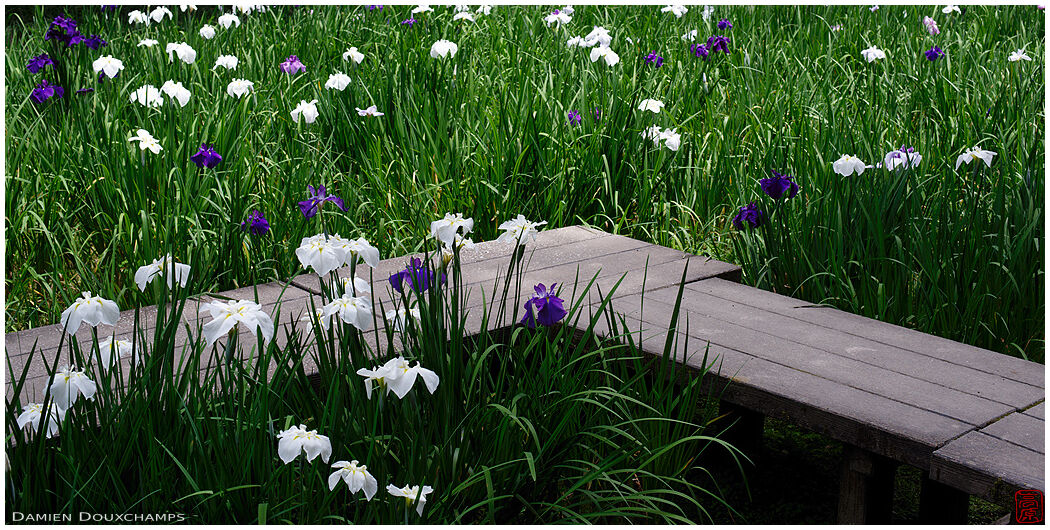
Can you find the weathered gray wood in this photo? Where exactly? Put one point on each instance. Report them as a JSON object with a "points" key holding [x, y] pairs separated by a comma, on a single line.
{"points": [[964, 407], [942, 504], [1038, 411], [948, 350], [959, 378], [991, 468], [1021, 429], [886, 391], [865, 487], [558, 255], [879, 424]]}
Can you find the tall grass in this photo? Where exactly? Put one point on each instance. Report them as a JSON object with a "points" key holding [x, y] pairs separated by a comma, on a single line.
{"points": [[955, 253], [559, 424]]}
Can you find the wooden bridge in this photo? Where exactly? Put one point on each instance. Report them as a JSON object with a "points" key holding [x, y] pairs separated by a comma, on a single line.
{"points": [[971, 419]]}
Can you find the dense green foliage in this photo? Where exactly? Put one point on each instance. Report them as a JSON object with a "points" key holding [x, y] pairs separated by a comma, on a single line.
{"points": [[547, 425], [955, 253]]}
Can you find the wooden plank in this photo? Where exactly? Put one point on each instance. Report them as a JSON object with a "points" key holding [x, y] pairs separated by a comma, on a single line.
{"points": [[492, 258], [1003, 365], [955, 404], [988, 467], [1038, 411], [893, 429], [1020, 429], [942, 373]]}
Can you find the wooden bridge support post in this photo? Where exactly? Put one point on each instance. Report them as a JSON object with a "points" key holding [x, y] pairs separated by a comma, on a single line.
{"points": [[866, 487]]}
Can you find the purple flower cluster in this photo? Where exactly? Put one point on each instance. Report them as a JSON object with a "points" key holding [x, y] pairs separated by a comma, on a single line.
{"points": [[417, 276], [409, 21], [373, 8], [717, 43], [45, 91], [934, 53], [725, 24], [292, 65], [39, 63], [574, 117], [206, 157], [256, 224], [544, 308], [777, 185], [750, 216], [654, 58], [65, 30], [318, 196]]}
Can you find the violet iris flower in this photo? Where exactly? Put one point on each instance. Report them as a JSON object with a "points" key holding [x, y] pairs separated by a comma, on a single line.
{"points": [[256, 224], [653, 58], [725, 24], [410, 21], [544, 308], [206, 157], [934, 53], [318, 196], [597, 114], [700, 50], [63, 29], [574, 117], [45, 91], [749, 215], [777, 185], [39, 63], [85, 90], [416, 276], [718, 43], [94, 42], [373, 8], [292, 65]]}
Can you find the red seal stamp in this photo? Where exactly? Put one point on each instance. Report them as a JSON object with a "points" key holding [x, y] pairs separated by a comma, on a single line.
{"points": [[1028, 507]]}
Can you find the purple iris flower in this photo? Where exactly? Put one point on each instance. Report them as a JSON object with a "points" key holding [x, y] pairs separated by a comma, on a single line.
{"points": [[934, 53], [700, 50], [292, 65], [109, 8], [749, 215], [718, 43], [318, 196], [410, 21], [94, 42], [544, 308], [574, 117], [85, 90], [653, 58], [777, 185], [206, 157], [725, 24], [63, 29], [417, 276], [597, 114], [256, 224], [373, 8], [39, 63], [45, 91]]}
